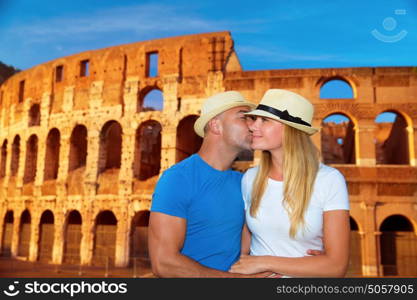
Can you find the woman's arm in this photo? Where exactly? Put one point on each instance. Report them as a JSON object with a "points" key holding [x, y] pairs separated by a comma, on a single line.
{"points": [[333, 263], [246, 237]]}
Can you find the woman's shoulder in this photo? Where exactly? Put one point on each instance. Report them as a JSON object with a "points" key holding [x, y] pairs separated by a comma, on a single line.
{"points": [[326, 171], [251, 172]]}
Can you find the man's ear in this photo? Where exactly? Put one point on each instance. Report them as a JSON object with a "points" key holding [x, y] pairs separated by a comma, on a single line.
{"points": [[214, 126]]}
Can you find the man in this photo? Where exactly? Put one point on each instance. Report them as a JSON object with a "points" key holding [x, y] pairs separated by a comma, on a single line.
{"points": [[197, 211]]}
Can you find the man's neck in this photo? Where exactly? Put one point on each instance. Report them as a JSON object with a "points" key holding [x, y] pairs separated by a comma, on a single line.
{"points": [[217, 155]]}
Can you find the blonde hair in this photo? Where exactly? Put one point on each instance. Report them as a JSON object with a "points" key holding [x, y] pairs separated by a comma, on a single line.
{"points": [[300, 167]]}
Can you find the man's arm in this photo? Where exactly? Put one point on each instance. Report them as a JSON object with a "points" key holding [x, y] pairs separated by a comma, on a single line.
{"points": [[166, 238]]}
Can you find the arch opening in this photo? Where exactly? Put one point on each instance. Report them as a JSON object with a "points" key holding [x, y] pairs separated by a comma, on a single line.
{"points": [[6, 249], [46, 236], [110, 146], [391, 140], [53, 145], [31, 159], [15, 156], [355, 259], [147, 161], [78, 148], [139, 236], [188, 142], [24, 234], [34, 115], [336, 88], [338, 140], [398, 244], [152, 100], [73, 235], [3, 159], [105, 239]]}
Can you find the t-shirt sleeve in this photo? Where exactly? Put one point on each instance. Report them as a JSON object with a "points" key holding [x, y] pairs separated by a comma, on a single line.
{"points": [[171, 195], [246, 191], [337, 196]]}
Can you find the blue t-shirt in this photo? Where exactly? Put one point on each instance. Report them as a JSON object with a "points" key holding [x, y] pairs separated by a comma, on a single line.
{"points": [[211, 202]]}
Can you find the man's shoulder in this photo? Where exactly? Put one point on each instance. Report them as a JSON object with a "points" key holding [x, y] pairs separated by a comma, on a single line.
{"points": [[185, 164], [175, 182], [251, 172], [236, 174], [180, 170]]}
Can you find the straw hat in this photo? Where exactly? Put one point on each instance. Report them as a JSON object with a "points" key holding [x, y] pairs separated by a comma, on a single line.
{"points": [[217, 104], [288, 108]]}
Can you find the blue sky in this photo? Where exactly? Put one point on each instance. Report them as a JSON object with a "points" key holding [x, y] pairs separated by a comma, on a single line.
{"points": [[267, 34]]}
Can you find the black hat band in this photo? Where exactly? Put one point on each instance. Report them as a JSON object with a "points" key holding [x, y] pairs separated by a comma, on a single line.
{"points": [[283, 115]]}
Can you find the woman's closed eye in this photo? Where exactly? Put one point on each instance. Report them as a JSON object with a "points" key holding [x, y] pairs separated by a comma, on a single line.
{"points": [[252, 118]]}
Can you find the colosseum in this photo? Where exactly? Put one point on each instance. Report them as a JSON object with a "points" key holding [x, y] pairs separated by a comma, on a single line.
{"points": [[85, 137]]}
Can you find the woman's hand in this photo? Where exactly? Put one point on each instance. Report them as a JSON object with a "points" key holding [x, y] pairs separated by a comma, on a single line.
{"points": [[249, 265]]}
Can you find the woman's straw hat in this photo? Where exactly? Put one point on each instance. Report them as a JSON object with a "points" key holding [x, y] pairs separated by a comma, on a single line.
{"points": [[286, 107]]}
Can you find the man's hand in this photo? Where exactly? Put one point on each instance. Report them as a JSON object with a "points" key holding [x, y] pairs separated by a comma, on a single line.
{"points": [[254, 267], [256, 275]]}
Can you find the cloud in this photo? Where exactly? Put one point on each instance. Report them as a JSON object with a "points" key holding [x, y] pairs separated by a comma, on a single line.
{"points": [[82, 30], [145, 20]]}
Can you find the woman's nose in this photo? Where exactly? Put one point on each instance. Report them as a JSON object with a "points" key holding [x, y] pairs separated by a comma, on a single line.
{"points": [[249, 122]]}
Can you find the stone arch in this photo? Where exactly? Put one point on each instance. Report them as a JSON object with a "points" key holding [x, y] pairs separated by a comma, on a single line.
{"points": [[139, 235], [72, 239], [188, 142], [150, 99], [105, 230], [337, 87], [147, 162], [7, 234], [34, 115], [355, 260], [338, 139], [14, 165], [3, 159], [77, 160], [392, 138], [110, 146], [46, 236], [398, 246], [78, 148], [53, 143], [31, 159], [24, 233]]}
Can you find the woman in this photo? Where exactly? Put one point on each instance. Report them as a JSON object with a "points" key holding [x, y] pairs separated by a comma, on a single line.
{"points": [[293, 202]]}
